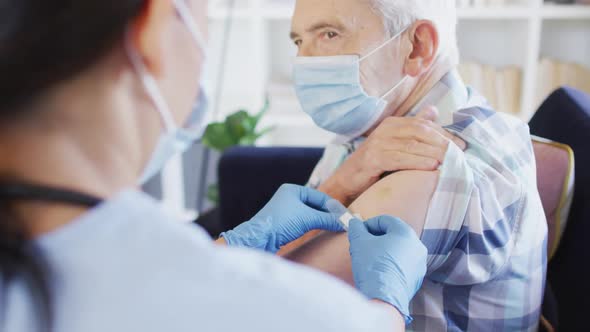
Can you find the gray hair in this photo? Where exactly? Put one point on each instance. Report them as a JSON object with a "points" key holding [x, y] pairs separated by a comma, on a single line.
{"points": [[398, 14]]}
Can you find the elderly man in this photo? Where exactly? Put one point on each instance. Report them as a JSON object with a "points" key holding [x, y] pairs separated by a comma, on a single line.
{"points": [[364, 70]]}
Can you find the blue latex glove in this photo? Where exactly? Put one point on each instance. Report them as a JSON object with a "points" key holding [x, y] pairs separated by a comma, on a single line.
{"points": [[388, 261], [290, 214]]}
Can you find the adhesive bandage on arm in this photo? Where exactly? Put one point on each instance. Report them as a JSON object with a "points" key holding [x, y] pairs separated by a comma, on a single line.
{"points": [[345, 215]]}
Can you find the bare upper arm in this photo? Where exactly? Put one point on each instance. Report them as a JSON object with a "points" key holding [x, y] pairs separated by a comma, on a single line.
{"points": [[405, 195]]}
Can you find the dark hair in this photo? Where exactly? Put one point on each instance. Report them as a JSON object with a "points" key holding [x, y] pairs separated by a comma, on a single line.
{"points": [[43, 43]]}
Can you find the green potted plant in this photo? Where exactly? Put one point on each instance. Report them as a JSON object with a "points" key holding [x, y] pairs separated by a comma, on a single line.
{"points": [[239, 128]]}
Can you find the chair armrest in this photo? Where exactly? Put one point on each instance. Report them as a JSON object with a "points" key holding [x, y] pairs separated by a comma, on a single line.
{"points": [[249, 176]]}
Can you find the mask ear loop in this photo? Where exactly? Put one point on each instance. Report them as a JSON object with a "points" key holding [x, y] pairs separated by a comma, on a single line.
{"points": [[384, 44], [148, 80], [189, 21], [377, 50], [150, 85], [395, 87]]}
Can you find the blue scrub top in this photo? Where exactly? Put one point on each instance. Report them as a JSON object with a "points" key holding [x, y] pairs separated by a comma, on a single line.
{"points": [[128, 265]]}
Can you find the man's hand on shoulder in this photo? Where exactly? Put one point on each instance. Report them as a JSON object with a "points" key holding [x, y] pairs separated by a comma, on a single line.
{"points": [[398, 143]]}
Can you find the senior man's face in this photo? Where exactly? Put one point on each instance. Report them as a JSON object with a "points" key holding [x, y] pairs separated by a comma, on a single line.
{"points": [[349, 27], [335, 27]]}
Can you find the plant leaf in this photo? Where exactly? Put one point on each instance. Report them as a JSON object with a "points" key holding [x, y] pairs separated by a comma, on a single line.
{"points": [[217, 137], [248, 140], [238, 125], [264, 109], [239, 128]]}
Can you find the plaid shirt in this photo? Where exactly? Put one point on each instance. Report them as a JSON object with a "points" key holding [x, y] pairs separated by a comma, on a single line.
{"points": [[485, 229]]}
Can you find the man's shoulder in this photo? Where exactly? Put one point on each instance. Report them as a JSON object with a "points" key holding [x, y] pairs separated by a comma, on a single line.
{"points": [[498, 140], [476, 119]]}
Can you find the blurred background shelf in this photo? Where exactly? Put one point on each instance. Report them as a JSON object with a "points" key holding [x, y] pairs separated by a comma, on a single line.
{"points": [[506, 42], [515, 35], [282, 10], [495, 13], [565, 12]]}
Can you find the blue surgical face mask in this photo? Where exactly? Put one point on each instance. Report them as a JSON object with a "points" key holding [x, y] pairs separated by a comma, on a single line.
{"points": [[174, 140], [329, 90]]}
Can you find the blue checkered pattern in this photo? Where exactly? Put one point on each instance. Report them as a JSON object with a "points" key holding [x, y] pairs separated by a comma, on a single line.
{"points": [[485, 229]]}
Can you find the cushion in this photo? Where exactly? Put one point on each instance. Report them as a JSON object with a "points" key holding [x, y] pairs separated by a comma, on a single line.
{"points": [[555, 181]]}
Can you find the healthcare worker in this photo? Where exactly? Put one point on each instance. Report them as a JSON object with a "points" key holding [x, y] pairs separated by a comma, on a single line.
{"points": [[96, 97]]}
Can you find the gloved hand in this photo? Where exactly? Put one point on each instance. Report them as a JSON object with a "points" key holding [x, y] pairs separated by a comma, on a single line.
{"points": [[290, 214], [388, 261]]}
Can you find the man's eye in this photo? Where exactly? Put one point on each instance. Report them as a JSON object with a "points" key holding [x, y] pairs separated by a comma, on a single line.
{"points": [[330, 34], [297, 42]]}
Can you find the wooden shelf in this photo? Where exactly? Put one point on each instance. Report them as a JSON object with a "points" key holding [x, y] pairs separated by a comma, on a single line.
{"points": [[565, 12], [494, 13], [286, 13], [277, 12], [269, 12]]}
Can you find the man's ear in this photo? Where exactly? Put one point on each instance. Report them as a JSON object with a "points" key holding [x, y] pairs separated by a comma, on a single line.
{"points": [[148, 33], [424, 42]]}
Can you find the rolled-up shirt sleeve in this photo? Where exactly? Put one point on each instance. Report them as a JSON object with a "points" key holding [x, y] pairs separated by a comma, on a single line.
{"points": [[474, 212]]}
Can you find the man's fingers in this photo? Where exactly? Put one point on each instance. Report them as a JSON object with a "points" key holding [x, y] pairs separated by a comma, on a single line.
{"points": [[392, 161], [430, 133], [422, 127], [418, 148], [423, 131], [460, 143], [429, 113], [448, 135]]}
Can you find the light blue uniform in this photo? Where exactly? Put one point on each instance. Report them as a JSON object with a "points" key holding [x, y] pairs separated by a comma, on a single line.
{"points": [[129, 266]]}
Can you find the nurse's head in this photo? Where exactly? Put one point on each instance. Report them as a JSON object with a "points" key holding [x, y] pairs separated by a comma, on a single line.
{"points": [[87, 88], [425, 44], [75, 72]]}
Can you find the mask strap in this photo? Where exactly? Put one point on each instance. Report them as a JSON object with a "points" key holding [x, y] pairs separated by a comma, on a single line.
{"points": [[395, 87], [148, 80], [189, 21], [384, 44], [150, 85]]}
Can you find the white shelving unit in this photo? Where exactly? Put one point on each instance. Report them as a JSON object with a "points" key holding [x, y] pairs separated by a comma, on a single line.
{"points": [[515, 35]]}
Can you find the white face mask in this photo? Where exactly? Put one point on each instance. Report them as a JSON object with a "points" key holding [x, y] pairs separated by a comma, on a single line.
{"points": [[329, 90], [174, 140]]}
